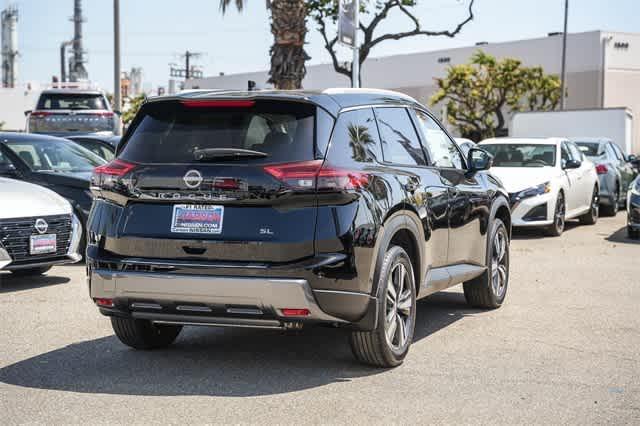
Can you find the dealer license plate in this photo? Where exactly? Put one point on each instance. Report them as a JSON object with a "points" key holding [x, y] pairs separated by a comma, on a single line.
{"points": [[42, 244], [195, 219]]}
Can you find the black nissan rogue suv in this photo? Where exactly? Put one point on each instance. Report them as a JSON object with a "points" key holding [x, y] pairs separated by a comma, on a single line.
{"points": [[276, 209]]}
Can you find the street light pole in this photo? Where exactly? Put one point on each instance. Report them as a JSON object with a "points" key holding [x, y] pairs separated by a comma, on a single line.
{"points": [[355, 66], [117, 90], [563, 78]]}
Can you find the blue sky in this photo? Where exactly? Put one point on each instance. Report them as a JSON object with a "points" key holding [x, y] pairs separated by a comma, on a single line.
{"points": [[155, 32]]}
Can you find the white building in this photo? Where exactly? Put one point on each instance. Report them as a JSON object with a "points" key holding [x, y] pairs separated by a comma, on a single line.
{"points": [[603, 70]]}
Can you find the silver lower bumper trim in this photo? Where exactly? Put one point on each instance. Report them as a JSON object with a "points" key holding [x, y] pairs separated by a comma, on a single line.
{"points": [[266, 294]]}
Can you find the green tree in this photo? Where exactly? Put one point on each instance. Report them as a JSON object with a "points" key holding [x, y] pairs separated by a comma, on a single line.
{"points": [[375, 12], [289, 29], [481, 95], [132, 107]]}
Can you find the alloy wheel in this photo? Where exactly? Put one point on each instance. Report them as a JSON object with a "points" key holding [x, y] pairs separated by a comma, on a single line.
{"points": [[559, 215], [398, 307], [499, 265]]}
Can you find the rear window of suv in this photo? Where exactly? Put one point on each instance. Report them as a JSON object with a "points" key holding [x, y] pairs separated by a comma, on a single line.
{"points": [[74, 101], [171, 132]]}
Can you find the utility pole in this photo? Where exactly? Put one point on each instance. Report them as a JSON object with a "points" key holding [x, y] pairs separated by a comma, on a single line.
{"points": [[187, 63], [563, 78], [117, 90]]}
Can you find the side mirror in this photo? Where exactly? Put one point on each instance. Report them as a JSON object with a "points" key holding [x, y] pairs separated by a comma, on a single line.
{"points": [[572, 164], [27, 112], [478, 159], [631, 158], [7, 169]]}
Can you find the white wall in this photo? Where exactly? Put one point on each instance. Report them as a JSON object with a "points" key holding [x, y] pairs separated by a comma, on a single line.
{"points": [[13, 104]]}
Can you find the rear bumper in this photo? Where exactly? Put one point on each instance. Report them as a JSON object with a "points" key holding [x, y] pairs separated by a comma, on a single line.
{"points": [[222, 300]]}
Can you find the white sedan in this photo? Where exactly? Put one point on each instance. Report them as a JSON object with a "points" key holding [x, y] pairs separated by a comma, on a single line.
{"points": [[38, 229], [549, 181]]}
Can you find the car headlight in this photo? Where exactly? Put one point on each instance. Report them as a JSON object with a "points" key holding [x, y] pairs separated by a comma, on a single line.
{"points": [[541, 189]]}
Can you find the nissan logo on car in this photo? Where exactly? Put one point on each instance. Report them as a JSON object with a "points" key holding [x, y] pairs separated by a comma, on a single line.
{"points": [[41, 226], [192, 179]]}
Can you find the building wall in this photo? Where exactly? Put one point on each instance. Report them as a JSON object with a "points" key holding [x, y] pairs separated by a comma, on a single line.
{"points": [[588, 54], [13, 104], [622, 77]]}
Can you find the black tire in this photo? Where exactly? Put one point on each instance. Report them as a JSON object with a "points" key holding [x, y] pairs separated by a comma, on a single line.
{"points": [[31, 271], [591, 217], [143, 334], [612, 209], [634, 234], [557, 228], [489, 290], [375, 347]]}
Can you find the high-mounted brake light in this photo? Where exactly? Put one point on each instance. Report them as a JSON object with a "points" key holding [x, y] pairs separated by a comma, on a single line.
{"points": [[602, 169], [114, 168], [218, 103], [313, 174]]}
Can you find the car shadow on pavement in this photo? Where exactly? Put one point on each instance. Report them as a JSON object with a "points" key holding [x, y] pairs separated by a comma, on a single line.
{"points": [[539, 233], [216, 362], [10, 283], [621, 236]]}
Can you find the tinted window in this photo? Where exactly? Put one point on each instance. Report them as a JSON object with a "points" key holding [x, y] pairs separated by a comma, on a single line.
{"points": [[618, 152], [442, 150], [97, 148], [55, 155], [4, 160], [400, 143], [590, 149], [170, 132], [355, 138], [77, 101], [521, 155]]}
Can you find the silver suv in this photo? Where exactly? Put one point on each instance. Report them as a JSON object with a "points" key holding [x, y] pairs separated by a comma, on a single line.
{"points": [[66, 111]]}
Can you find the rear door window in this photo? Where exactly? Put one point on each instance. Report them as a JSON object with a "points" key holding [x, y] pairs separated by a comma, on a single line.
{"points": [[172, 132], [355, 139], [400, 143]]}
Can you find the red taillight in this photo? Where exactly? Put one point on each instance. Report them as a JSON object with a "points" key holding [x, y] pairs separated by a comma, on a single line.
{"points": [[601, 169], [312, 174], [110, 176], [103, 114], [41, 113], [218, 103], [295, 312], [105, 303], [114, 168]]}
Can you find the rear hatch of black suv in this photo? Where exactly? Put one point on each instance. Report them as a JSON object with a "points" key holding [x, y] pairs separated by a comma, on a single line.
{"points": [[231, 180]]}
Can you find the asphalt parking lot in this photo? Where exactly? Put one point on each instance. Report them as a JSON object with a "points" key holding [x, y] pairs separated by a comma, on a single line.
{"points": [[564, 349]]}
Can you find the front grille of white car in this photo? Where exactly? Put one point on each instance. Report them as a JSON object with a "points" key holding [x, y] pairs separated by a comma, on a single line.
{"points": [[15, 236]]}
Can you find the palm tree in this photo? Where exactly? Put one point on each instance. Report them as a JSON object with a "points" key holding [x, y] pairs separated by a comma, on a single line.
{"points": [[289, 29]]}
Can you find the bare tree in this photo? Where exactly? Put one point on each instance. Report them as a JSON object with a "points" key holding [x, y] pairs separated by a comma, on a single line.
{"points": [[322, 11]]}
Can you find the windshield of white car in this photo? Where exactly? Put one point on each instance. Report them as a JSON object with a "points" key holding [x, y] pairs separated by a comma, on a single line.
{"points": [[521, 155], [55, 156]]}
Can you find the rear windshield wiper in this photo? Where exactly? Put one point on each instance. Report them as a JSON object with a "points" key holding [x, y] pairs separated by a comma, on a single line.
{"points": [[233, 153]]}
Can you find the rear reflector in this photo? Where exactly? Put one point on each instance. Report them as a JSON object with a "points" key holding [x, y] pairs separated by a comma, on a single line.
{"points": [[292, 312], [218, 104], [312, 174], [106, 303], [602, 169]]}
